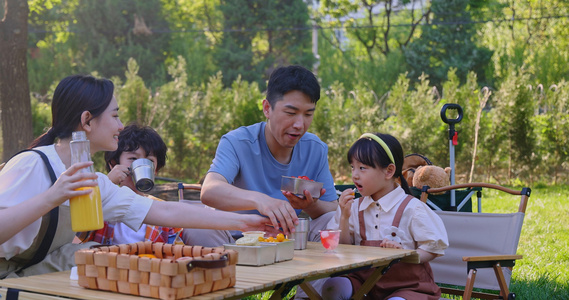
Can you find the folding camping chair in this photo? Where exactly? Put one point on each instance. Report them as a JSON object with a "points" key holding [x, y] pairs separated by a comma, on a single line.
{"points": [[191, 187], [463, 198], [479, 241]]}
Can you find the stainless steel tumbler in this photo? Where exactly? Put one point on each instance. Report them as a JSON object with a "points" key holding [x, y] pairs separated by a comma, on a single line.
{"points": [[301, 234], [143, 174]]}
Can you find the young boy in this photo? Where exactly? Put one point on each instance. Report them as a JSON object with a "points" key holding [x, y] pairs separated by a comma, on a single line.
{"points": [[135, 142]]}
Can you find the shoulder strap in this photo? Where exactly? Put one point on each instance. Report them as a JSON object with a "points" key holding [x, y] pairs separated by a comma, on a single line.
{"points": [[399, 213], [396, 218], [52, 216], [362, 221]]}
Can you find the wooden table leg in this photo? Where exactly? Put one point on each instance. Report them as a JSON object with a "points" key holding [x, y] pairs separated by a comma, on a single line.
{"points": [[310, 291], [277, 293], [282, 290], [372, 279], [368, 284]]}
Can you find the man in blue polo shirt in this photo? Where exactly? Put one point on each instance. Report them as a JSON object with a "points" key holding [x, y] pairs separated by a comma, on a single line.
{"points": [[245, 175]]}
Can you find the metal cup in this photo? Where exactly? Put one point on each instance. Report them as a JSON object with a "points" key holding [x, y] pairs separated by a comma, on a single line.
{"points": [[143, 174], [301, 234]]}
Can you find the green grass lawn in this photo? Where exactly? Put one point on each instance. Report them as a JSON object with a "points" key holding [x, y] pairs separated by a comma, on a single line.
{"points": [[543, 273]]}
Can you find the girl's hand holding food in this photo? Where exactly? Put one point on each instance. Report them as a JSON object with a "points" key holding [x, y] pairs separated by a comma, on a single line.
{"points": [[346, 199]]}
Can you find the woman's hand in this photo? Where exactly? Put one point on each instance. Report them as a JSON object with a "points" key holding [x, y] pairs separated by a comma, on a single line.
{"points": [[15, 218], [118, 174], [258, 223], [67, 184]]}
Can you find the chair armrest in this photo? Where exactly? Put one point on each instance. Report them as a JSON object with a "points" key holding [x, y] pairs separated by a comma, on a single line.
{"points": [[492, 257], [189, 186], [490, 261]]}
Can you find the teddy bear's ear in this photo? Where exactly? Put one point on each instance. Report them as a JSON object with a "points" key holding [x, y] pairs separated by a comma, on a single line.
{"points": [[419, 176], [447, 170]]}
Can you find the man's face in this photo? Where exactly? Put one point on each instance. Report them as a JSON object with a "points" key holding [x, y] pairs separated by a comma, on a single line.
{"points": [[289, 119]]}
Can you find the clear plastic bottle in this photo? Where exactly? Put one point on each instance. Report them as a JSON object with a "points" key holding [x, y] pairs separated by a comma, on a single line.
{"points": [[86, 210]]}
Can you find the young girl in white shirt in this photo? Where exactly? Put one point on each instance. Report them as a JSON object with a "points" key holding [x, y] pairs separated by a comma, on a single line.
{"points": [[386, 216]]}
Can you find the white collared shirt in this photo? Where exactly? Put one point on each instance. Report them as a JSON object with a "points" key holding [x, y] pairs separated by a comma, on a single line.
{"points": [[422, 228]]}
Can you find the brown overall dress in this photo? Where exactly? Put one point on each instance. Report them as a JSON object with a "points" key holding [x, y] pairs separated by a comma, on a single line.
{"points": [[406, 280]]}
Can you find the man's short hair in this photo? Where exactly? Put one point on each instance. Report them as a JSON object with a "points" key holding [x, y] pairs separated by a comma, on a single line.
{"points": [[135, 136], [292, 78]]}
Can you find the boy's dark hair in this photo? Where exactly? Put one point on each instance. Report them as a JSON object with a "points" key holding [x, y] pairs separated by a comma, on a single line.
{"points": [[371, 153], [135, 136], [292, 78]]}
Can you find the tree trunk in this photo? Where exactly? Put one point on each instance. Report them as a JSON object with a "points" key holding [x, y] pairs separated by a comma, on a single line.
{"points": [[15, 106]]}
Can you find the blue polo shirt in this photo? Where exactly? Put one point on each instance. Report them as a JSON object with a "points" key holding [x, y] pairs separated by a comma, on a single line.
{"points": [[244, 159]]}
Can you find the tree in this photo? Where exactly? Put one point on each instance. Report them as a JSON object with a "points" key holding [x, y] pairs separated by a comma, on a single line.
{"points": [[533, 35], [374, 22], [51, 54], [15, 104], [193, 36], [360, 41], [447, 42], [111, 32], [260, 35]]}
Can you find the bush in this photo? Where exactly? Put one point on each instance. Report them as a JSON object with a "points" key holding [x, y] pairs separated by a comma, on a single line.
{"points": [[520, 140]]}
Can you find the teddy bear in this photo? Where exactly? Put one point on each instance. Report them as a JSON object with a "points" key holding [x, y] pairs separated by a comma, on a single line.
{"points": [[418, 171], [410, 163], [432, 176]]}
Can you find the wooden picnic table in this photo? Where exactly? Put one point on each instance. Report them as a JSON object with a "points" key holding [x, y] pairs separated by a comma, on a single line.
{"points": [[309, 264]]}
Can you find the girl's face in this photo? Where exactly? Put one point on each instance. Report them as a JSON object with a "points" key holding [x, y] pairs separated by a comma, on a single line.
{"points": [[374, 182], [128, 157], [105, 129]]}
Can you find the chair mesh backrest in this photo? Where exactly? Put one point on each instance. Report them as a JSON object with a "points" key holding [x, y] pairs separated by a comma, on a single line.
{"points": [[476, 234]]}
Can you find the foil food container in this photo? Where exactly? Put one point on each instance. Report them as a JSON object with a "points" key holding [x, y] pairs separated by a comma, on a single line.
{"points": [[264, 254], [285, 250], [297, 186]]}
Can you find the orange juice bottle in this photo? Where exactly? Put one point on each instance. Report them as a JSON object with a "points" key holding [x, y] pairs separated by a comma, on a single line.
{"points": [[86, 210]]}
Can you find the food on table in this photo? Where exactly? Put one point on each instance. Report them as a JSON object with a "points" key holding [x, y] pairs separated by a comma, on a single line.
{"points": [[302, 177], [278, 239], [254, 233], [248, 240], [297, 186], [330, 239]]}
